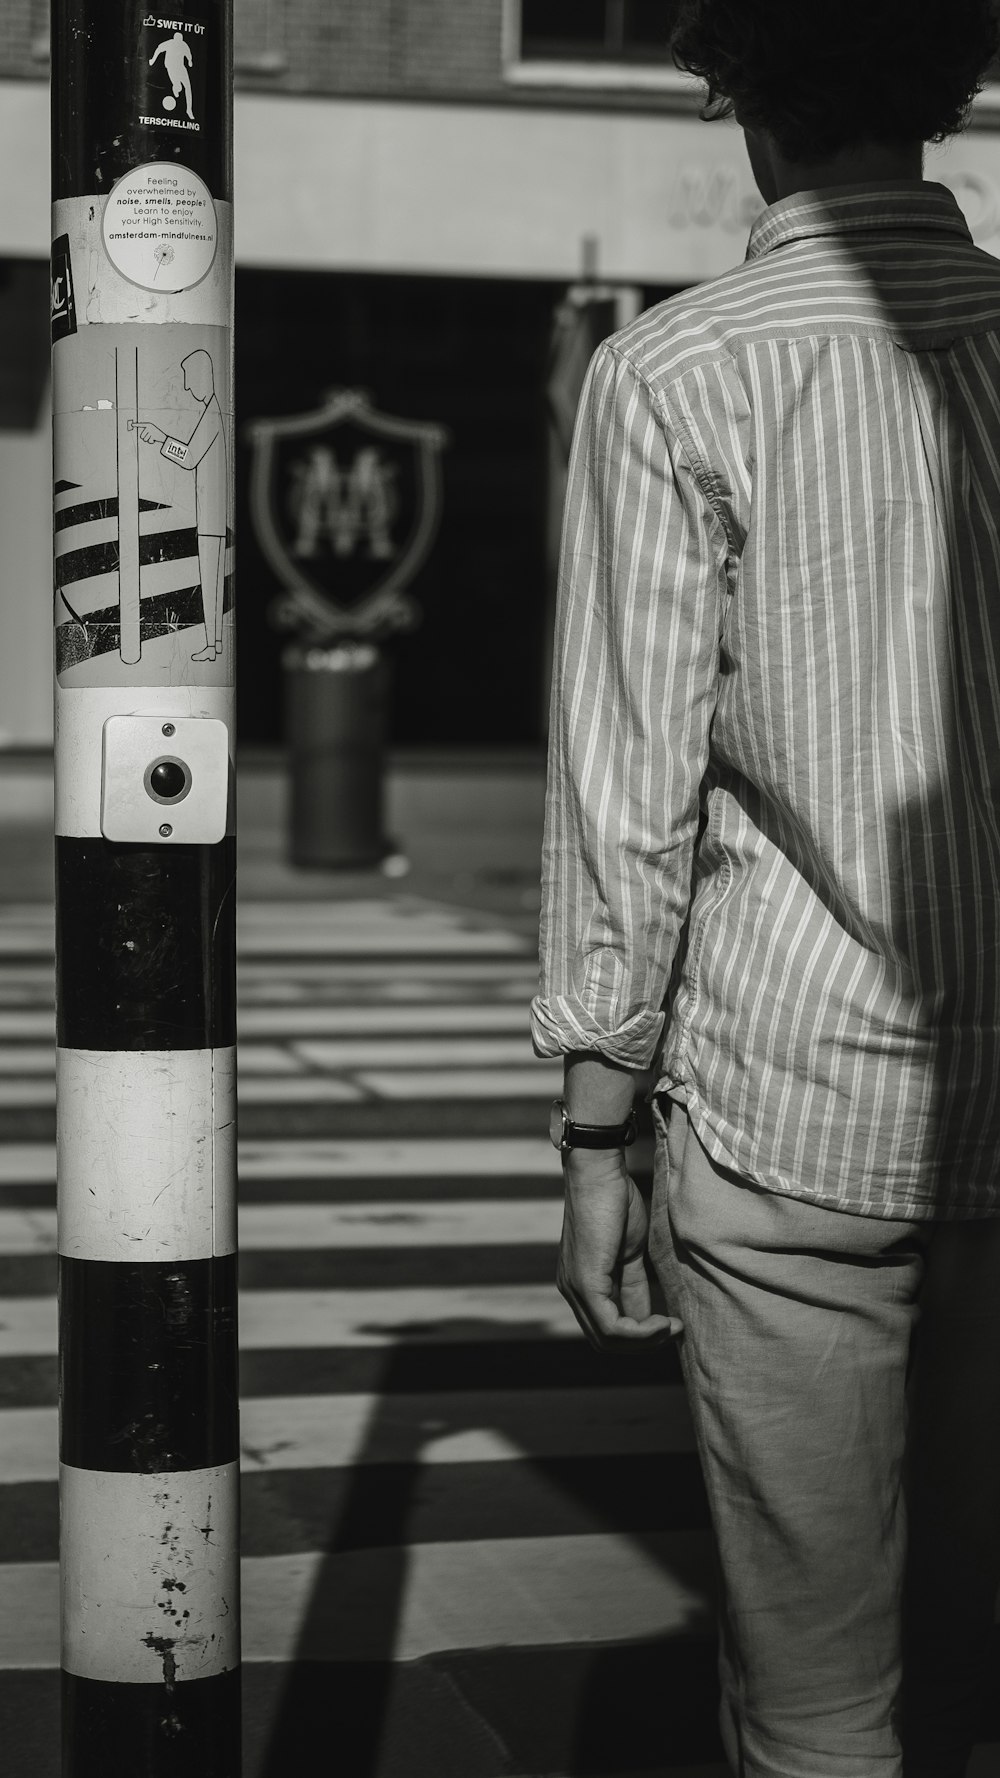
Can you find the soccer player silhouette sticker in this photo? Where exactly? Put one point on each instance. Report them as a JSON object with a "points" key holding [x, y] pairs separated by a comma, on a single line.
{"points": [[177, 60], [179, 64]]}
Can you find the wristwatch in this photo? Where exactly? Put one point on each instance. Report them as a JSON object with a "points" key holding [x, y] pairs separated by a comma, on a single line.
{"points": [[564, 1134]]}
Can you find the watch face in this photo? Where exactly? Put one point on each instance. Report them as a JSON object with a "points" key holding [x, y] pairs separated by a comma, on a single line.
{"points": [[556, 1119]]}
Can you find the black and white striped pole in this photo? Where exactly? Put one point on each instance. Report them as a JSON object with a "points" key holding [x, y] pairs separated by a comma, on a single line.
{"points": [[145, 888]]}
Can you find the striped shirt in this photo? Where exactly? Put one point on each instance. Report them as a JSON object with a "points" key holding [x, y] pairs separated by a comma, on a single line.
{"points": [[772, 843]]}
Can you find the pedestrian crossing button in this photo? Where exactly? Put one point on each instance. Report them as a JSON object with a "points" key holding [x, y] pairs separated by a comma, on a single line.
{"points": [[168, 780], [142, 783]]}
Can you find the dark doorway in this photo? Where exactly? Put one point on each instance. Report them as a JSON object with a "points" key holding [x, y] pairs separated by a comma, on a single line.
{"points": [[467, 354]]}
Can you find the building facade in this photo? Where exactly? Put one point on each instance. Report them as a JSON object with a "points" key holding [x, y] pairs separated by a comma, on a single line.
{"points": [[418, 184]]}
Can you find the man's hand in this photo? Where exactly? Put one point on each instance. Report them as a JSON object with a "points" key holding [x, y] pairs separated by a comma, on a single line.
{"points": [[602, 1271], [149, 433]]}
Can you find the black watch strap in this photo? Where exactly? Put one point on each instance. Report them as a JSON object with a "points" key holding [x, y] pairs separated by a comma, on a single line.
{"points": [[565, 1134]]}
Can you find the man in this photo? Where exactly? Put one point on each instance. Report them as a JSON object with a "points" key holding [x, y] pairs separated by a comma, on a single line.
{"points": [[204, 453], [772, 868]]}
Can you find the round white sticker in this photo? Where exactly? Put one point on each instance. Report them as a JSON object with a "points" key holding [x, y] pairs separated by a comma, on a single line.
{"points": [[159, 227]]}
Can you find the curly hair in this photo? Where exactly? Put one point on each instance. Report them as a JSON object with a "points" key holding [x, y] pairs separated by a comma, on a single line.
{"points": [[887, 71]]}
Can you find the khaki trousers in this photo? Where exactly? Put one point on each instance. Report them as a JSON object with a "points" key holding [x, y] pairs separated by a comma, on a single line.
{"points": [[843, 1374]]}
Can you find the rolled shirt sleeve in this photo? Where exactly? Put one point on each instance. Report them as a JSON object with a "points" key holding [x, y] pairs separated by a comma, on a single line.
{"points": [[641, 598]]}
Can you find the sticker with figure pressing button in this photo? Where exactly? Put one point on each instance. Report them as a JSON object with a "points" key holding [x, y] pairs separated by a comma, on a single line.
{"points": [[143, 502]]}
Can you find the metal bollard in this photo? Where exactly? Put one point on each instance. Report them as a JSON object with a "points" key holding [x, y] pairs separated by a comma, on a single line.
{"points": [[336, 703]]}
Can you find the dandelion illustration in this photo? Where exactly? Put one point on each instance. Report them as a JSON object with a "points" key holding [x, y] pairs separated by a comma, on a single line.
{"points": [[163, 253]]}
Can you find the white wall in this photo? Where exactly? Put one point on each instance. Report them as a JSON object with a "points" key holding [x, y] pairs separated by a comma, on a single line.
{"points": [[476, 190], [26, 585]]}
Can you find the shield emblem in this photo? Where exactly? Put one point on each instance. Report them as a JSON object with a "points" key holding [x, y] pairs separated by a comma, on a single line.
{"points": [[345, 503]]}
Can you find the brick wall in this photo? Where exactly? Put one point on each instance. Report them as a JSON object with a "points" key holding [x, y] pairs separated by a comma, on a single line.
{"points": [[451, 46], [422, 49], [329, 46], [24, 27], [373, 48]]}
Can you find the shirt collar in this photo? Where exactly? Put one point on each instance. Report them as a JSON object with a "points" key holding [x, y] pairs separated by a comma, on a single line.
{"points": [[912, 205]]}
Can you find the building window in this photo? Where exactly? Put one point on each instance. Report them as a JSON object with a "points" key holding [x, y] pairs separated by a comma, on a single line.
{"points": [[597, 30]]}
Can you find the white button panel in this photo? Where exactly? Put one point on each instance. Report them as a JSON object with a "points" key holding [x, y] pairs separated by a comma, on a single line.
{"points": [[136, 803]]}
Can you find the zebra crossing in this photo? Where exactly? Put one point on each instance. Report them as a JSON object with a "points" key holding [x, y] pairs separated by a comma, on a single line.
{"points": [[467, 1539]]}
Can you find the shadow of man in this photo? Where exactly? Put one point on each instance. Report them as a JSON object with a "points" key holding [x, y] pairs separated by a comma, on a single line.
{"points": [[461, 1712]]}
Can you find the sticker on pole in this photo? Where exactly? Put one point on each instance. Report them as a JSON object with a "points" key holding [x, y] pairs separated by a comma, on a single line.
{"points": [[172, 85], [159, 228], [63, 298], [142, 455]]}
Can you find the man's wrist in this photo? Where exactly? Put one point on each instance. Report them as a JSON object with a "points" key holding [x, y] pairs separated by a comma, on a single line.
{"points": [[597, 1091], [568, 1134], [594, 1169]]}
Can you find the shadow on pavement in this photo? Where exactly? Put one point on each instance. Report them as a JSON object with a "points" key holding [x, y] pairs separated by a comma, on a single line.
{"points": [[567, 1707]]}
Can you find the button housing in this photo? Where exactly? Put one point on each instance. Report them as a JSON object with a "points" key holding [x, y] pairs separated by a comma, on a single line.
{"points": [[134, 747]]}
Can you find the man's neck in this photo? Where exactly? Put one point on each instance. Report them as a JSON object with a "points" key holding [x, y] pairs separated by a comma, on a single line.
{"points": [[869, 163]]}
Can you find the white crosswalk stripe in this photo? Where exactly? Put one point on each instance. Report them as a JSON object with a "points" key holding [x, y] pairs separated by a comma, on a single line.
{"points": [[28, 1059], [536, 1080], [503, 1593], [391, 1020], [540, 1080], [411, 1157], [22, 1094], [407, 1157], [27, 1024], [409, 1052], [335, 1431], [347, 1052], [273, 1228]]}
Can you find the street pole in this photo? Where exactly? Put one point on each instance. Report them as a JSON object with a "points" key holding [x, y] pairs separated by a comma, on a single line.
{"points": [[145, 889]]}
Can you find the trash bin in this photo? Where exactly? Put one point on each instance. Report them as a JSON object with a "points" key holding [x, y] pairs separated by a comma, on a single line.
{"points": [[336, 702]]}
